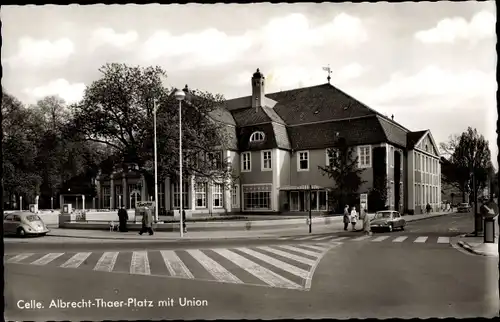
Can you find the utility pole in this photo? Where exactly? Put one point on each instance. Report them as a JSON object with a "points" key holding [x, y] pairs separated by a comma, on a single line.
{"points": [[310, 210]]}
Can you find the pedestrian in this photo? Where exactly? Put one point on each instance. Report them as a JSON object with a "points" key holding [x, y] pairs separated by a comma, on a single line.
{"points": [[147, 222], [366, 221], [346, 217], [354, 218], [184, 228], [123, 217]]}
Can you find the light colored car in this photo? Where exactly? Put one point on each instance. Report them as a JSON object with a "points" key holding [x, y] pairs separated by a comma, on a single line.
{"points": [[24, 224], [463, 207], [387, 219]]}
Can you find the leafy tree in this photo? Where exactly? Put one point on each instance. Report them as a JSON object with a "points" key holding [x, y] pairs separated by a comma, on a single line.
{"points": [[343, 169], [117, 111]]}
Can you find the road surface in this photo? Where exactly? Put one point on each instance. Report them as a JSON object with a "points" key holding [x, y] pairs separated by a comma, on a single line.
{"points": [[322, 276]]}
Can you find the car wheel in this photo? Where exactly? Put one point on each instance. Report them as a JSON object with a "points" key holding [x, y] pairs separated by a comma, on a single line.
{"points": [[21, 232], [390, 227]]}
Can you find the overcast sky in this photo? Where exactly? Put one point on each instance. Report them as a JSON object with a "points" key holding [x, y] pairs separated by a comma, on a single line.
{"points": [[432, 65]]}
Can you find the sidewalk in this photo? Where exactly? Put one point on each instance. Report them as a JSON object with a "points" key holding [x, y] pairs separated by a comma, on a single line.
{"points": [[477, 246], [334, 226]]}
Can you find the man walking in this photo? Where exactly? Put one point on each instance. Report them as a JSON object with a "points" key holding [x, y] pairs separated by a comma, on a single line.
{"points": [[346, 217], [147, 222], [366, 221], [123, 217], [184, 228]]}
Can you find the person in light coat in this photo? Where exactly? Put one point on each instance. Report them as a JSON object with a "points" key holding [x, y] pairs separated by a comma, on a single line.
{"points": [[366, 221], [147, 222], [354, 218]]}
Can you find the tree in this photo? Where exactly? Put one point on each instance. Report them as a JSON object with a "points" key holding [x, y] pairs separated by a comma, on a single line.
{"points": [[343, 169], [117, 111], [470, 157]]}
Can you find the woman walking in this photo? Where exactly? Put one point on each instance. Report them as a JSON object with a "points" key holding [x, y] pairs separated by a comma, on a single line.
{"points": [[366, 221], [354, 218], [346, 217], [147, 222]]}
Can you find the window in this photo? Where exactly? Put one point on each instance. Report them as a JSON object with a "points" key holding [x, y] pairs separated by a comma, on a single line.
{"points": [[161, 195], [235, 196], [266, 160], [401, 160], [201, 194], [185, 196], [303, 161], [331, 154], [391, 156], [322, 200], [257, 197], [365, 160], [246, 164], [135, 194], [257, 137], [106, 196], [217, 195], [118, 197], [216, 159], [392, 193]]}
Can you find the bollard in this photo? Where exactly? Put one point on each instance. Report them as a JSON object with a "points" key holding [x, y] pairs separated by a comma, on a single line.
{"points": [[489, 230]]}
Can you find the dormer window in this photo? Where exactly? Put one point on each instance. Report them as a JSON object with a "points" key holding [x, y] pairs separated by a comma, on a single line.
{"points": [[257, 137]]}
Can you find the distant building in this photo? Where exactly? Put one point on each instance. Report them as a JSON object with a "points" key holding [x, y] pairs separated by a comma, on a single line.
{"points": [[277, 142]]}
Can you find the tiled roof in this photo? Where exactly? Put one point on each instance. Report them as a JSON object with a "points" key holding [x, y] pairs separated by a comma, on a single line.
{"points": [[271, 113], [358, 131], [393, 133], [275, 137], [230, 137], [222, 115], [413, 137], [251, 116], [317, 103]]}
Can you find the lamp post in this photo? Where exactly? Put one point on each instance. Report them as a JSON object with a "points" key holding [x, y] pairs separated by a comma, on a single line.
{"points": [[180, 95], [156, 163]]}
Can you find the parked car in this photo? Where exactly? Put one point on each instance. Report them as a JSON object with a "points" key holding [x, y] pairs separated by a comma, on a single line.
{"points": [[387, 219], [24, 224], [463, 207]]}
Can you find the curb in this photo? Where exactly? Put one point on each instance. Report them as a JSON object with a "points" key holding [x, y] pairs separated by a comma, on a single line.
{"points": [[470, 249], [171, 239]]}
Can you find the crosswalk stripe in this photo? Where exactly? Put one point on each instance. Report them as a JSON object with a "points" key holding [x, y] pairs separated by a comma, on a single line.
{"points": [[399, 239], [379, 239], [421, 239], [140, 263], [267, 276], [339, 238], [300, 250], [20, 257], [47, 259], [443, 240], [106, 262], [214, 268], [316, 247], [175, 265], [361, 238], [323, 238], [305, 238], [294, 257], [276, 263], [76, 260]]}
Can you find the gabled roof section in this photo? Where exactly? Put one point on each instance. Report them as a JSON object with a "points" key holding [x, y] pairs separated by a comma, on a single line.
{"points": [[412, 138], [273, 116], [275, 137], [222, 115], [394, 133], [317, 103]]}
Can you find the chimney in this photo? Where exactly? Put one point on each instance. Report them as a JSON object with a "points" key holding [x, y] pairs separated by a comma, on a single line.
{"points": [[257, 89]]}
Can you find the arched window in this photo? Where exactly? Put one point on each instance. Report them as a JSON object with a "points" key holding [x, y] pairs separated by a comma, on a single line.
{"points": [[257, 136]]}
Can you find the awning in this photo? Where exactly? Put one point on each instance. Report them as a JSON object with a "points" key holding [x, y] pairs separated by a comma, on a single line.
{"points": [[302, 188]]}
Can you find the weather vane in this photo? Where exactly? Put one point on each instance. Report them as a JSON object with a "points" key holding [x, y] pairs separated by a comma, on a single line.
{"points": [[329, 70]]}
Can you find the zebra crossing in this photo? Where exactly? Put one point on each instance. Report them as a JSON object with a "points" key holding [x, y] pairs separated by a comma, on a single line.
{"points": [[372, 238], [280, 266]]}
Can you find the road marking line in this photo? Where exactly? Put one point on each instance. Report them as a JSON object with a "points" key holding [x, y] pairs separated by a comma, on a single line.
{"points": [[379, 239], [443, 240], [297, 258], [47, 259], [175, 265], [20, 257], [107, 262], [361, 238], [319, 248], [399, 239], [267, 276], [76, 260], [214, 268], [276, 263], [421, 239], [300, 250], [323, 238], [305, 238], [339, 238], [140, 263]]}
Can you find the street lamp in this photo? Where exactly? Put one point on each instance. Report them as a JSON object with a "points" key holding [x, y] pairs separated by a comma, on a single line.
{"points": [[156, 162], [180, 95]]}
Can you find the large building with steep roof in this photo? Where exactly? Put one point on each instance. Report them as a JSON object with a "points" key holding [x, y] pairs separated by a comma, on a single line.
{"points": [[276, 141]]}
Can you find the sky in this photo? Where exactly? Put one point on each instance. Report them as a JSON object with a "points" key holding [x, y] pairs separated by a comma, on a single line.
{"points": [[431, 65]]}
